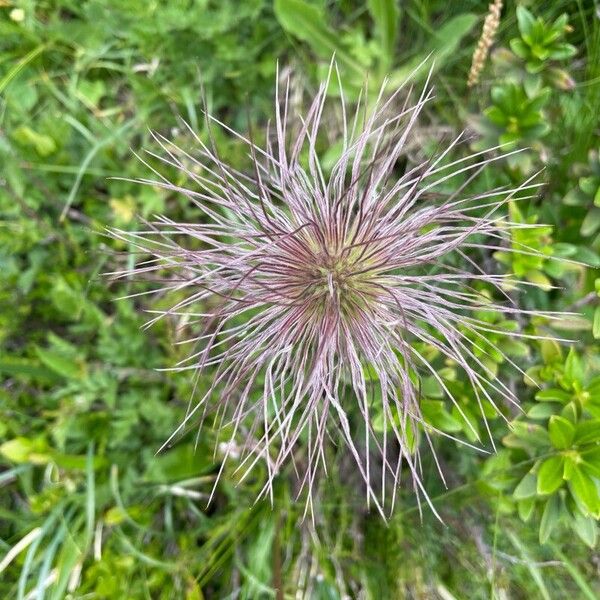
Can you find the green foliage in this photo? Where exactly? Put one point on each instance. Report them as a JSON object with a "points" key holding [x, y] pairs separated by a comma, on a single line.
{"points": [[87, 508], [559, 435], [536, 242], [587, 194], [359, 53], [518, 118], [540, 42]]}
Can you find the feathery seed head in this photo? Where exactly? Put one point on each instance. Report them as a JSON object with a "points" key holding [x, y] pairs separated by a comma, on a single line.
{"points": [[314, 294]]}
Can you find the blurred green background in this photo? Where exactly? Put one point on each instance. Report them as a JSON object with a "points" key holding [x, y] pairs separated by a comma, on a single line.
{"points": [[87, 510]]}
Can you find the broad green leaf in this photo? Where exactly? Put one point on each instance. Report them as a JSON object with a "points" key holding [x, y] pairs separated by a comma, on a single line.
{"points": [[570, 412], [550, 518], [588, 185], [550, 475], [526, 22], [15, 366], [586, 528], [43, 144], [561, 432], [591, 461], [469, 422], [534, 275], [527, 435], [519, 47], [591, 222], [572, 322], [570, 464], [435, 413], [21, 449], [573, 367], [593, 389], [553, 395], [62, 365], [445, 41], [75, 462], [585, 492], [588, 432], [430, 388], [526, 508], [307, 22], [542, 411], [385, 14], [526, 487], [551, 350]]}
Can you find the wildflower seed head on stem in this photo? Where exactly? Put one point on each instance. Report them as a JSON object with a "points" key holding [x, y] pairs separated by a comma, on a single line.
{"points": [[311, 294]]}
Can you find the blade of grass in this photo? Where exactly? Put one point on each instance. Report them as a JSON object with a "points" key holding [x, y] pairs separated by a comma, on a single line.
{"points": [[31, 553], [19, 547], [531, 567], [87, 160], [16, 69], [90, 495], [577, 576]]}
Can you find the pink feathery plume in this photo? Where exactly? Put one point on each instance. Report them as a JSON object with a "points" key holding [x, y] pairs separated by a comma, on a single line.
{"points": [[316, 292]]}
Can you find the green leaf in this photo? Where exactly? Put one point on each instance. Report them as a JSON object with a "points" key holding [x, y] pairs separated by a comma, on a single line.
{"points": [[18, 67], [435, 414], [526, 22], [569, 466], [550, 475], [532, 567], [578, 577], [563, 51], [570, 412], [593, 389], [553, 395], [596, 324], [21, 450], [385, 14], [469, 421], [526, 508], [591, 461], [43, 144], [526, 487], [573, 367], [70, 554], [535, 276], [519, 47], [586, 528], [550, 518], [584, 490], [15, 366], [542, 411], [591, 222], [588, 185], [527, 436], [62, 365], [307, 22], [182, 462], [588, 432], [561, 432], [443, 45], [551, 350]]}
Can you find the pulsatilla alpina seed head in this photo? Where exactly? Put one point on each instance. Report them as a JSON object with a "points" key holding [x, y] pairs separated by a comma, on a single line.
{"points": [[313, 294]]}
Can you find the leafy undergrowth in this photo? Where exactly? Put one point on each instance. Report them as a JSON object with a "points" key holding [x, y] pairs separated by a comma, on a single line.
{"points": [[87, 508]]}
